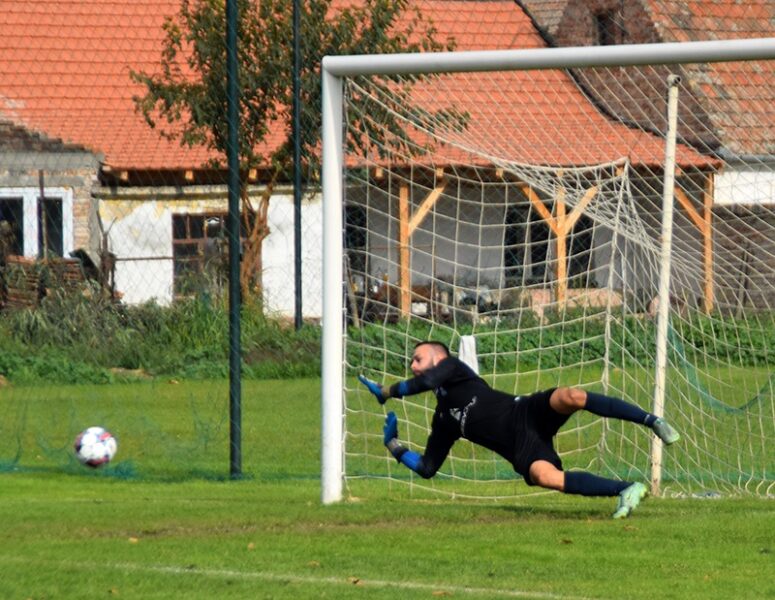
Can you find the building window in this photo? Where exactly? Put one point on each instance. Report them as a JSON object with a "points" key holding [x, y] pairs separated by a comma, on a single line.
{"points": [[526, 252], [514, 237], [580, 255], [607, 28], [50, 239], [525, 246], [39, 226], [200, 252], [12, 214]]}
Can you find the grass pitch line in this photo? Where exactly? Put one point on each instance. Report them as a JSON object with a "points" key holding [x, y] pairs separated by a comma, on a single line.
{"points": [[306, 579], [343, 581]]}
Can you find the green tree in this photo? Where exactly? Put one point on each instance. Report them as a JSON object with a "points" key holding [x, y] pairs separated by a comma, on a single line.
{"points": [[186, 96]]}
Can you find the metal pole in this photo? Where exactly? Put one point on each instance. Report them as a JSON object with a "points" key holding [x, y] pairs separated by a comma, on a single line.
{"points": [[663, 314], [297, 189], [549, 58], [233, 230], [332, 451]]}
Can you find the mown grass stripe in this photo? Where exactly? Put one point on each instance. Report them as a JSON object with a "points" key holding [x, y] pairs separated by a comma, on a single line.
{"points": [[303, 579]]}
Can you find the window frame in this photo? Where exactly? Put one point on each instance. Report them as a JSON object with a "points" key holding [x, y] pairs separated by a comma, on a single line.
{"points": [[31, 214], [196, 263]]}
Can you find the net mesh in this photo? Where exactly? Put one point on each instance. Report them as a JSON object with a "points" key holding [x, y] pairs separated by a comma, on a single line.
{"points": [[516, 209]]}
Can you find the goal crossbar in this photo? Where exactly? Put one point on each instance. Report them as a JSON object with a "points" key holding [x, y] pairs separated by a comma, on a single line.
{"points": [[624, 55]]}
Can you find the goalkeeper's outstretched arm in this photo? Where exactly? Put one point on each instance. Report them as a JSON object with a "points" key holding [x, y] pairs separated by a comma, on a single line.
{"points": [[423, 382], [397, 390], [426, 465]]}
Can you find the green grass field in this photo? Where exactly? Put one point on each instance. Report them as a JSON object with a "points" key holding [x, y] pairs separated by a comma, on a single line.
{"points": [[150, 527]]}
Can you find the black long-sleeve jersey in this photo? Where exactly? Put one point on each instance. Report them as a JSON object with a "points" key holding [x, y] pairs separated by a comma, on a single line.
{"points": [[466, 407]]}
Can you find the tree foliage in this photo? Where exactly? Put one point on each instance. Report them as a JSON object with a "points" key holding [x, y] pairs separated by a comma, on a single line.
{"points": [[186, 98]]}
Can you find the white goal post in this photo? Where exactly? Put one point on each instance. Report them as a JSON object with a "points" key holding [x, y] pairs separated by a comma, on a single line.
{"points": [[335, 69]]}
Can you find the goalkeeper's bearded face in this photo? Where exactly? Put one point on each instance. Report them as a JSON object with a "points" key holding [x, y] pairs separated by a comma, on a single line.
{"points": [[426, 356]]}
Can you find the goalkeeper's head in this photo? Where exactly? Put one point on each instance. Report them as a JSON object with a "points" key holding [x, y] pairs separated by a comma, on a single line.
{"points": [[427, 355]]}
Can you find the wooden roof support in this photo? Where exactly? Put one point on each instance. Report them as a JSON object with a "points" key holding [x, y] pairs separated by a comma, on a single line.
{"points": [[403, 251], [560, 230], [707, 233], [703, 222], [407, 224], [561, 226], [425, 207], [538, 205]]}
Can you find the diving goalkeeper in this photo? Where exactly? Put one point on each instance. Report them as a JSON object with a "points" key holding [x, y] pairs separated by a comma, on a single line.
{"points": [[521, 429]]}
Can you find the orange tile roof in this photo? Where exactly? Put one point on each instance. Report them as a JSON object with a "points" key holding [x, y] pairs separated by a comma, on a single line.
{"points": [[64, 71], [736, 97], [693, 20], [543, 117], [548, 122], [742, 89]]}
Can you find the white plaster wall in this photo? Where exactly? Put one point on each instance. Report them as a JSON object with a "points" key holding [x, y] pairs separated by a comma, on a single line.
{"points": [[141, 239], [140, 235], [748, 186], [278, 257]]}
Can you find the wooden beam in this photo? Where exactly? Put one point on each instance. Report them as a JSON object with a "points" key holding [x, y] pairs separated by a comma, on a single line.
{"points": [[561, 289], [561, 226], [539, 206], [425, 207], [684, 201], [707, 235], [404, 281], [703, 222], [578, 210], [407, 224]]}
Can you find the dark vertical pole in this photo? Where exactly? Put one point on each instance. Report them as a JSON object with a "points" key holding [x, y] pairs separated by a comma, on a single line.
{"points": [[42, 221], [297, 191], [235, 353]]}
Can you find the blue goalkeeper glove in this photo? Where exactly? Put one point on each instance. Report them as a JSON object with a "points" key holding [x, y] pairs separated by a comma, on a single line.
{"points": [[390, 429], [403, 455], [379, 392]]}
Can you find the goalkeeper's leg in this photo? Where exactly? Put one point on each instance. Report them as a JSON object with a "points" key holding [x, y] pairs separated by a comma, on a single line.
{"points": [[547, 475], [568, 400]]}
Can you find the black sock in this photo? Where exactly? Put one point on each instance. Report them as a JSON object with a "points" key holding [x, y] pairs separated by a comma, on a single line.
{"points": [[605, 406], [587, 484]]}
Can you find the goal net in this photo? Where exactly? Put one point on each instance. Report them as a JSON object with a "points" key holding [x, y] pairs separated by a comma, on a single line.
{"points": [[550, 219]]}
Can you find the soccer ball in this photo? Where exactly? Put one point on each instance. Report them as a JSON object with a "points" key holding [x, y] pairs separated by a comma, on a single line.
{"points": [[95, 447]]}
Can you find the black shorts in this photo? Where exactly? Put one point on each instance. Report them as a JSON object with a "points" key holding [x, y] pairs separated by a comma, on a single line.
{"points": [[536, 424]]}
